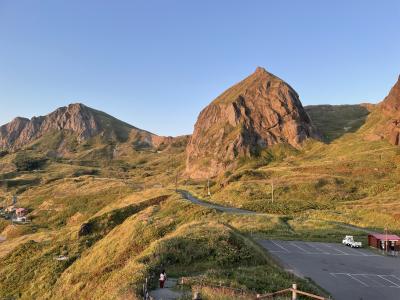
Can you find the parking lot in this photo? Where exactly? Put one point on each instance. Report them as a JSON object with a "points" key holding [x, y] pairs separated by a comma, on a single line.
{"points": [[346, 273]]}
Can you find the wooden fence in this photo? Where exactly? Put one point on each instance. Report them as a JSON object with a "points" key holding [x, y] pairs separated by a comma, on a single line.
{"points": [[293, 290]]}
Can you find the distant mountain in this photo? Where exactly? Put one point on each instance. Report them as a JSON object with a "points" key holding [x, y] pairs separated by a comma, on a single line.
{"points": [[258, 112], [77, 120]]}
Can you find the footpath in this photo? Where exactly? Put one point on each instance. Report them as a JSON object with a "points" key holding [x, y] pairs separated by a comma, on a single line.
{"points": [[168, 292]]}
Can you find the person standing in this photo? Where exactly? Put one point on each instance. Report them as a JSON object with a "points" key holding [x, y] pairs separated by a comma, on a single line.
{"points": [[163, 278]]}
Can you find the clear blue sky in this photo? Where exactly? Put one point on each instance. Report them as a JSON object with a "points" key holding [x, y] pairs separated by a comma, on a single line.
{"points": [[156, 64]]}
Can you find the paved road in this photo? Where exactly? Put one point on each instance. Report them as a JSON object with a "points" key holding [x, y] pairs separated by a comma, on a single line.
{"points": [[220, 208], [344, 272]]}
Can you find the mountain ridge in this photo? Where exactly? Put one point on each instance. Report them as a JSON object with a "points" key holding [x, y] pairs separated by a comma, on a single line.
{"points": [[76, 118]]}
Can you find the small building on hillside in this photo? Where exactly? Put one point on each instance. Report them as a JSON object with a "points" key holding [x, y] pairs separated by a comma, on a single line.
{"points": [[20, 212], [390, 242]]}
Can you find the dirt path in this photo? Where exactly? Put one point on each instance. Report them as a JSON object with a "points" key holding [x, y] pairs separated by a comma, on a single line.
{"points": [[168, 292]]}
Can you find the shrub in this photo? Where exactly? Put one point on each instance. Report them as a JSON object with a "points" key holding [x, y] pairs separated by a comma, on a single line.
{"points": [[3, 153], [81, 172], [26, 162]]}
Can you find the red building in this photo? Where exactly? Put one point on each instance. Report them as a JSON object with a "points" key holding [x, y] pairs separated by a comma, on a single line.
{"points": [[20, 212], [380, 241]]}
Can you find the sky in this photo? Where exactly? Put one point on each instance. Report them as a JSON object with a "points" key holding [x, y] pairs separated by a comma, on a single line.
{"points": [[156, 64]]}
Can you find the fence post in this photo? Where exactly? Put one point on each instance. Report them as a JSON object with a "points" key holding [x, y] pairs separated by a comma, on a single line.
{"points": [[294, 293]]}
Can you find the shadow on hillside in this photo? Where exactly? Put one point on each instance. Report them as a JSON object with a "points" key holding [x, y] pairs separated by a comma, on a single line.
{"points": [[333, 121]]}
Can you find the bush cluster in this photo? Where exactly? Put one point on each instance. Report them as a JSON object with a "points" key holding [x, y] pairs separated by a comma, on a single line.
{"points": [[26, 162]]}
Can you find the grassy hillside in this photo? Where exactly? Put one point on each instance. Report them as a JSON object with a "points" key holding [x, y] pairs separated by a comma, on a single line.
{"points": [[333, 121], [112, 212], [126, 245], [119, 220], [353, 179]]}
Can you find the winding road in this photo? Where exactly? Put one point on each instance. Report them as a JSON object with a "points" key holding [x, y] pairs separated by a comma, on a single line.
{"points": [[226, 209]]}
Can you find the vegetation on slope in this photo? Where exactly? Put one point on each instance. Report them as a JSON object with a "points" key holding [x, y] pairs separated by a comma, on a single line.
{"points": [[174, 234], [330, 182], [112, 212], [333, 121]]}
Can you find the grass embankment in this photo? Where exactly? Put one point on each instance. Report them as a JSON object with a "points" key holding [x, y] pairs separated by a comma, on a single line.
{"points": [[31, 270], [127, 244]]}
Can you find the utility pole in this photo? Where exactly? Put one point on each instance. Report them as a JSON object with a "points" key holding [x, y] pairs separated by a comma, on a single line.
{"points": [[208, 187], [272, 192], [386, 237], [176, 181]]}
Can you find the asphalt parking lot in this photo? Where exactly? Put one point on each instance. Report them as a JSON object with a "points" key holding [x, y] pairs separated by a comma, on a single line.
{"points": [[346, 273]]}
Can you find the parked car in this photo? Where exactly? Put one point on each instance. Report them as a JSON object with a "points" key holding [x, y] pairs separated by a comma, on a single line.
{"points": [[20, 220], [349, 241]]}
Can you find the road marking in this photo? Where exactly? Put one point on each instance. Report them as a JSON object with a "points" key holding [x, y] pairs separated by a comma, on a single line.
{"points": [[366, 275], [330, 246], [357, 251], [362, 282], [297, 246], [280, 246], [382, 276], [351, 276], [396, 277], [317, 248]]}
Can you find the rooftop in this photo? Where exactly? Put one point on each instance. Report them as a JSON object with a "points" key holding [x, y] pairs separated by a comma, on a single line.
{"points": [[380, 236]]}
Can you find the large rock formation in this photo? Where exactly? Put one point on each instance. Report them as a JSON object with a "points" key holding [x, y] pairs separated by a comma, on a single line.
{"points": [[81, 121], [391, 108], [258, 112]]}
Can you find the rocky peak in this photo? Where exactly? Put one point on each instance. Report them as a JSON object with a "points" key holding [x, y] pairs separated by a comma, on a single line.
{"points": [[391, 104], [261, 70], [391, 108], [78, 119], [258, 112]]}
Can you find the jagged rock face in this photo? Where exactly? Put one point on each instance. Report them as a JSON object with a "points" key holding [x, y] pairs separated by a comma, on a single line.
{"points": [[391, 104], [391, 107], [78, 119], [258, 112]]}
